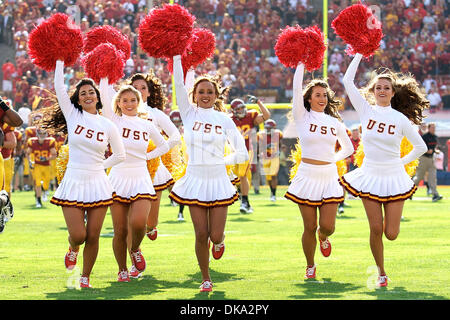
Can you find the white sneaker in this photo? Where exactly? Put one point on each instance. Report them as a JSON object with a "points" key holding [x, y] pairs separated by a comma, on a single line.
{"points": [[310, 272], [38, 204], [44, 196], [206, 286], [180, 217], [123, 276], [134, 273], [273, 198]]}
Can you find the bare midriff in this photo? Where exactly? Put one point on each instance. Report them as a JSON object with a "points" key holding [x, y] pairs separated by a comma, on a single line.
{"points": [[313, 161]]}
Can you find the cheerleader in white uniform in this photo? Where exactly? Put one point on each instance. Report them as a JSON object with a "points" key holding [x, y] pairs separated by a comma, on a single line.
{"points": [[154, 100], [85, 186], [316, 186], [133, 188], [206, 187], [382, 181]]}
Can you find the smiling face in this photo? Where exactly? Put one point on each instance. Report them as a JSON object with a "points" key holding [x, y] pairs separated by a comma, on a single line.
{"points": [[383, 92], [142, 87], [87, 98], [128, 103], [205, 94], [318, 99]]}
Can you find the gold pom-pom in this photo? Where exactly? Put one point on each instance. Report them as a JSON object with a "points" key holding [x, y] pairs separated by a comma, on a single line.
{"points": [[228, 151], [359, 155], [405, 148], [61, 162], [341, 167], [152, 164], [295, 157], [179, 168]]}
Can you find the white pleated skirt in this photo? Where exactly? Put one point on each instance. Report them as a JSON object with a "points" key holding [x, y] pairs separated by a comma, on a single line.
{"points": [[84, 188], [315, 185], [234, 178], [205, 186], [162, 179], [131, 183], [379, 181]]}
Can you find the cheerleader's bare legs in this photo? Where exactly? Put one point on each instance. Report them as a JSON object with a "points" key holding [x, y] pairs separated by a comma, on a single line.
{"points": [[137, 219], [208, 224], [88, 234], [327, 222], [152, 220], [390, 226], [129, 222]]}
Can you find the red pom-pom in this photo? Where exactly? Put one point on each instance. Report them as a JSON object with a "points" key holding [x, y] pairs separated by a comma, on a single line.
{"points": [[103, 34], [56, 38], [291, 46], [316, 48], [105, 61], [295, 45], [166, 32], [200, 48], [360, 29]]}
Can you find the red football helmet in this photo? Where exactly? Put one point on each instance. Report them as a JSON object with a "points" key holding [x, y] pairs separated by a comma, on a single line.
{"points": [[270, 124], [175, 116], [238, 108]]}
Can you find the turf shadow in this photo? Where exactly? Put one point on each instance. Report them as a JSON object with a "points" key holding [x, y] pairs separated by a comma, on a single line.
{"points": [[323, 289]]}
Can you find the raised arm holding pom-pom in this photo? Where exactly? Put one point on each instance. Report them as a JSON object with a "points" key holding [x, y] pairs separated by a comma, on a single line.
{"points": [[387, 108], [206, 187], [85, 187]]}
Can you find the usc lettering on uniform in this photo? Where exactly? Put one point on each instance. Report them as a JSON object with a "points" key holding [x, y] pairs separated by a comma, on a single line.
{"points": [[207, 127], [381, 127], [90, 133], [136, 134], [323, 129]]}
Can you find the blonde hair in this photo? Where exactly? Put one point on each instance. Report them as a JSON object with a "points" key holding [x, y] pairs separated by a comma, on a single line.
{"points": [[128, 88]]}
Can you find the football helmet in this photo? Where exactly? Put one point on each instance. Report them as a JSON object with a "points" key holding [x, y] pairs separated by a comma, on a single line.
{"points": [[238, 108]]}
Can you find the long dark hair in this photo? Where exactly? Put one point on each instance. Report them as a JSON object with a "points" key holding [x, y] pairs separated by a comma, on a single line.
{"points": [[53, 119], [333, 104], [156, 98]]}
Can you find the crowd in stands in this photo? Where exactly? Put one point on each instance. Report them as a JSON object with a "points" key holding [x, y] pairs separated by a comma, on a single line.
{"points": [[416, 40]]}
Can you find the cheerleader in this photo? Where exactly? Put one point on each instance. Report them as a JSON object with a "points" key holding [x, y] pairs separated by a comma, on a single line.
{"points": [[85, 186], [315, 187], [382, 181], [154, 100], [206, 187], [131, 181]]}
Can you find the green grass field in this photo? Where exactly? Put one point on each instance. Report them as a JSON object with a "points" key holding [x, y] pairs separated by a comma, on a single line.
{"points": [[263, 259]]}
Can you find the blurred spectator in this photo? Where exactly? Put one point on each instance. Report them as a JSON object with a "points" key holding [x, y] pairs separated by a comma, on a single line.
{"points": [[445, 97], [9, 72], [435, 100]]}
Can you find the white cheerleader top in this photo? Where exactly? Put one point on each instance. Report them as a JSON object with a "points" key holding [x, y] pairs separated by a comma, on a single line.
{"points": [[317, 131], [162, 122], [383, 128], [135, 131], [206, 130], [88, 134]]}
